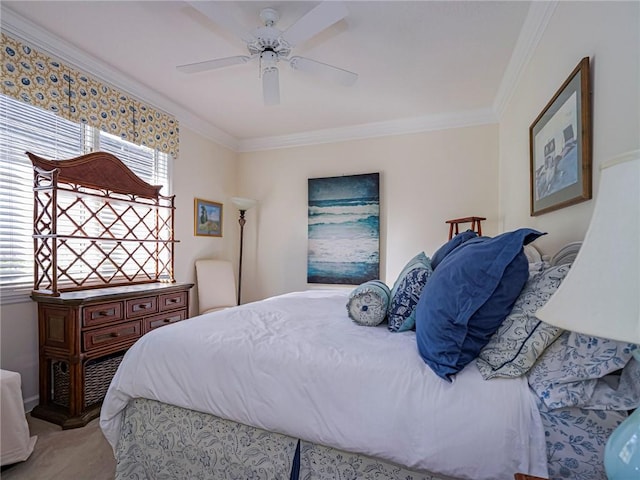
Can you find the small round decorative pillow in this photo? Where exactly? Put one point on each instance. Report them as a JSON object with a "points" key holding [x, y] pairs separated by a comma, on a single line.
{"points": [[368, 303]]}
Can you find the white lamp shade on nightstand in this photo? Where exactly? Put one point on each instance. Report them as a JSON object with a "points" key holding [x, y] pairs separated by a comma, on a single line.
{"points": [[601, 294]]}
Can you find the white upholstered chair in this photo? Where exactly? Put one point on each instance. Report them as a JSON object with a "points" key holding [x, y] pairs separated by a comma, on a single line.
{"points": [[216, 285]]}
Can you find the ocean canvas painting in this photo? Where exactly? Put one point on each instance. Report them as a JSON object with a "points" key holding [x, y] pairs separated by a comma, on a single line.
{"points": [[344, 229]]}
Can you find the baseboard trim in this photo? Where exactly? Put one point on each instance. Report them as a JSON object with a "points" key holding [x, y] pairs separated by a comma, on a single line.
{"points": [[30, 403]]}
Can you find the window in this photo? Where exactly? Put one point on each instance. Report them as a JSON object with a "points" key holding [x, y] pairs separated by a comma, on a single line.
{"points": [[150, 165], [27, 128]]}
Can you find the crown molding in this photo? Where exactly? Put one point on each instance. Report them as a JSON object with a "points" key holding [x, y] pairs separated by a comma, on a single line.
{"points": [[25, 30], [371, 130], [532, 30]]}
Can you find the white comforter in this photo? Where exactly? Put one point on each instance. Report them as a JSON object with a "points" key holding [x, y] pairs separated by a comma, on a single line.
{"points": [[295, 364]]}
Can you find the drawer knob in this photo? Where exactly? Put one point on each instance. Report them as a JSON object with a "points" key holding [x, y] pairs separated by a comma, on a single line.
{"points": [[115, 334], [174, 300]]}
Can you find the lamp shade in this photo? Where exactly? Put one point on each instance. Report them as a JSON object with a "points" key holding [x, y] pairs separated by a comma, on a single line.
{"points": [[601, 294], [243, 203]]}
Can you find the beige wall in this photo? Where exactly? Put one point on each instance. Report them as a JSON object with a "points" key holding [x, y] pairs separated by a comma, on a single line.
{"points": [[208, 171], [425, 179], [204, 170], [608, 33], [430, 177], [19, 346]]}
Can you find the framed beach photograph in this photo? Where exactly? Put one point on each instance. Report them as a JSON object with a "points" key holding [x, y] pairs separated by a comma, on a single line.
{"points": [[560, 146], [207, 218], [344, 229]]}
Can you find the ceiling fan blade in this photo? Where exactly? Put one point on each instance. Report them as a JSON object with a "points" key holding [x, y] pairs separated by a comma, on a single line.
{"points": [[219, 15], [335, 74], [315, 21], [213, 64], [271, 86]]}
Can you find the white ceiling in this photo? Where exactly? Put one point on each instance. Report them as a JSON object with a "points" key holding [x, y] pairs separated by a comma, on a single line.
{"points": [[417, 61]]}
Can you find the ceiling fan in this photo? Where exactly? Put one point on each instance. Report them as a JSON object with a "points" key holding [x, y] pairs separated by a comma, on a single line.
{"points": [[270, 46]]}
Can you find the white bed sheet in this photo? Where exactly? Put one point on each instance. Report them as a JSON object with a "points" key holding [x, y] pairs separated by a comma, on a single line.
{"points": [[296, 364]]}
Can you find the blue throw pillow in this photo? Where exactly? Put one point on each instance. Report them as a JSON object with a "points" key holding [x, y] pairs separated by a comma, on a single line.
{"points": [[406, 292], [450, 246], [402, 311], [368, 303], [419, 261], [467, 298]]}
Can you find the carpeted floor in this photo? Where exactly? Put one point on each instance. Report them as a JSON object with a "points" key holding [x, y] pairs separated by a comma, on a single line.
{"points": [[76, 454]]}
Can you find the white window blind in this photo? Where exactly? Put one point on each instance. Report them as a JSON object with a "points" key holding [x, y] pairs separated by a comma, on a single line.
{"points": [[27, 128], [150, 165]]}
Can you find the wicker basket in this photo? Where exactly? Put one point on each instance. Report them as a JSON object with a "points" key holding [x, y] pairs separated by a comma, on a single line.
{"points": [[60, 383], [97, 377]]}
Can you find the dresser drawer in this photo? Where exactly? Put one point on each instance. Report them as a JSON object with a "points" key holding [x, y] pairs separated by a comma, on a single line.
{"points": [[142, 306], [170, 301], [163, 319], [102, 313], [102, 337]]}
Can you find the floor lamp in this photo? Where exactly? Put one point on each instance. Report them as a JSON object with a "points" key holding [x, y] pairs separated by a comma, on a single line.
{"points": [[243, 205]]}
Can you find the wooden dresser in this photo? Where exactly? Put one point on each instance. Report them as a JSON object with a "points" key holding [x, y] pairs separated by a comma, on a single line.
{"points": [[103, 276], [83, 336]]}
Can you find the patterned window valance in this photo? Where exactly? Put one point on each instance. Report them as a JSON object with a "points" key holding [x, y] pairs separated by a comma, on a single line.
{"points": [[34, 77]]}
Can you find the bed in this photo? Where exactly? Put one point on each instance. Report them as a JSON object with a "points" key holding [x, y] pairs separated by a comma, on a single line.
{"points": [[292, 387]]}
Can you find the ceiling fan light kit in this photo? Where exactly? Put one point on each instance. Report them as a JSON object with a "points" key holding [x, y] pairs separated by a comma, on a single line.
{"points": [[271, 86], [270, 45]]}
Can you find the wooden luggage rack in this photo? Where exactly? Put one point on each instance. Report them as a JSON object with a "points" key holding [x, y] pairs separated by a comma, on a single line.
{"points": [[454, 225]]}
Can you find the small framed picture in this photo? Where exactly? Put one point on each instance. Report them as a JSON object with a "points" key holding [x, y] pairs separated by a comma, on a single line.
{"points": [[207, 218], [560, 146]]}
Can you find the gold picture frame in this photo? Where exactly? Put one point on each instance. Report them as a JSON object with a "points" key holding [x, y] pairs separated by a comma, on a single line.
{"points": [[207, 218]]}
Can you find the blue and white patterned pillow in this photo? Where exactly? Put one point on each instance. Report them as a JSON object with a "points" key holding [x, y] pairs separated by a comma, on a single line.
{"points": [[406, 293], [567, 373], [522, 338], [368, 303], [576, 440], [402, 312], [618, 392]]}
